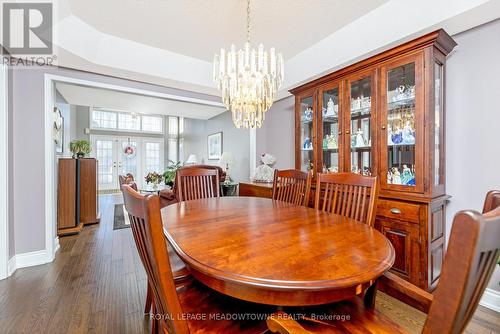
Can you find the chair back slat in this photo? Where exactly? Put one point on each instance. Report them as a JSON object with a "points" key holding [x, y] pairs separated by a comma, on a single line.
{"points": [[471, 258], [147, 229], [292, 186], [349, 195], [197, 183]]}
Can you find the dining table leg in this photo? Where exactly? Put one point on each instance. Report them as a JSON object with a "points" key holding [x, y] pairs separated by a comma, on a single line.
{"points": [[370, 294]]}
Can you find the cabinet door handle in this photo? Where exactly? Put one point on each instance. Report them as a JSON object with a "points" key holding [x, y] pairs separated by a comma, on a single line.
{"points": [[395, 211], [340, 133], [346, 132], [383, 127]]}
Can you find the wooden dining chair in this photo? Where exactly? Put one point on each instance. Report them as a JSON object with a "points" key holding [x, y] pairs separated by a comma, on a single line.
{"points": [[492, 200], [471, 257], [292, 186], [180, 272], [347, 194], [197, 183], [176, 308]]}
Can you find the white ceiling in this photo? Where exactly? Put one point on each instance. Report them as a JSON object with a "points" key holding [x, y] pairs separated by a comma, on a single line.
{"points": [[198, 28], [141, 104], [172, 42]]}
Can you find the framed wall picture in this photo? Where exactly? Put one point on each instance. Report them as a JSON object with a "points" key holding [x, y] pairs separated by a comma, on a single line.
{"points": [[214, 146], [58, 131]]}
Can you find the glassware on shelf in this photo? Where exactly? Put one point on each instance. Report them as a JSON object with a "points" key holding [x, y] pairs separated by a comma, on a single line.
{"points": [[401, 134]]}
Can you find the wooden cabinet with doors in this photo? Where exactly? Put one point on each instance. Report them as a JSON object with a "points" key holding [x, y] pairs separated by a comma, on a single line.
{"points": [[384, 116]]}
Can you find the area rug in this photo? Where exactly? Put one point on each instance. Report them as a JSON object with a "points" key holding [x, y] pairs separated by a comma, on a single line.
{"points": [[121, 217]]}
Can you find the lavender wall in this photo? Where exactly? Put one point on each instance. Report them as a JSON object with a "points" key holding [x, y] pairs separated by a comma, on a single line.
{"points": [[26, 112], [473, 121], [277, 135]]}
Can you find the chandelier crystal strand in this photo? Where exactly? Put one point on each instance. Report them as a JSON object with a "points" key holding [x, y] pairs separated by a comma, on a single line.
{"points": [[248, 80]]}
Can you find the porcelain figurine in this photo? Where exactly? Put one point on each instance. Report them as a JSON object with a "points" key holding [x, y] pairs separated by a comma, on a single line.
{"points": [[405, 175], [332, 143], [307, 144], [408, 134], [389, 137], [397, 137], [360, 141], [396, 176], [330, 109], [308, 115], [264, 172], [333, 169]]}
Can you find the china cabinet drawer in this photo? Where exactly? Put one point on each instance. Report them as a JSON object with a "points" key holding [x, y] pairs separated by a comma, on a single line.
{"points": [[398, 210]]}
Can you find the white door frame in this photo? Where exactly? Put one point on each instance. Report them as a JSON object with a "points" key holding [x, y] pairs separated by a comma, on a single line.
{"points": [[4, 170], [141, 150], [51, 241]]}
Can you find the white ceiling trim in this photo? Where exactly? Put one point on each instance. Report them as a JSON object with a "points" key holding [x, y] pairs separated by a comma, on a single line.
{"points": [[83, 40], [382, 28]]}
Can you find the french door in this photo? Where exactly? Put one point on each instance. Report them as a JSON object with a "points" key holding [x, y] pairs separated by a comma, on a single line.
{"points": [[121, 155]]}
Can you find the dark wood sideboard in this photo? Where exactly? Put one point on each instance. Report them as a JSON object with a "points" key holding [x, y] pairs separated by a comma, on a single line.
{"points": [[77, 203], [256, 189]]}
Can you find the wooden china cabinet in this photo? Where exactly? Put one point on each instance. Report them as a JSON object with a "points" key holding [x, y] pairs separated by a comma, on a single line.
{"points": [[384, 116]]}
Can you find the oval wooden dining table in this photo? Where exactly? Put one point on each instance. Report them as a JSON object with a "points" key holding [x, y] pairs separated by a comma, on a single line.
{"points": [[272, 252]]}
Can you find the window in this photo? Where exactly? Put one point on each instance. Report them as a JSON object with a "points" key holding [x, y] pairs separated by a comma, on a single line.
{"points": [[103, 119], [152, 123], [123, 121], [172, 150], [173, 125], [129, 122]]}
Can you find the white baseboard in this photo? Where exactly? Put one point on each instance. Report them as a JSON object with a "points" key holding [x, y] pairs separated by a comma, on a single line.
{"points": [[56, 245], [31, 259], [12, 266], [491, 300]]}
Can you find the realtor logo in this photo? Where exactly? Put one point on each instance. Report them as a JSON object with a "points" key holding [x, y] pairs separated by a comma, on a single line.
{"points": [[27, 28]]}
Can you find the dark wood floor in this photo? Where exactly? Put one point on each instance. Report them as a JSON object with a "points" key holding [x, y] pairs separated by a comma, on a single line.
{"points": [[97, 285]]}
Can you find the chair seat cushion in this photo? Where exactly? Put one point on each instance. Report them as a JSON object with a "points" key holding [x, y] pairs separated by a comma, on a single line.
{"points": [[208, 311]]}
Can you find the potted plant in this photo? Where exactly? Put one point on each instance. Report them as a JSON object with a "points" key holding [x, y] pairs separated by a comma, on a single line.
{"points": [[80, 148], [154, 178], [169, 174]]}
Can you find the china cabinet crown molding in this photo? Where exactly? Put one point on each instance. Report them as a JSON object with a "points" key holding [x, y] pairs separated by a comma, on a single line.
{"points": [[385, 116]]}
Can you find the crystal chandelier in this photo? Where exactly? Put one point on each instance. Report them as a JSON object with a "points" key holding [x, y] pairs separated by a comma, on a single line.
{"points": [[248, 80]]}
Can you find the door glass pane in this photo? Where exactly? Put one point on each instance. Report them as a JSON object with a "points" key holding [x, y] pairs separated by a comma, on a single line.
{"points": [[330, 125], [438, 121], [306, 132], [152, 158], [401, 125], [361, 156], [104, 154], [129, 158]]}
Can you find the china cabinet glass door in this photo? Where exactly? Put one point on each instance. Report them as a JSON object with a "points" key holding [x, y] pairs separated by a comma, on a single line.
{"points": [[359, 130], [402, 121], [439, 171], [306, 138], [330, 130]]}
